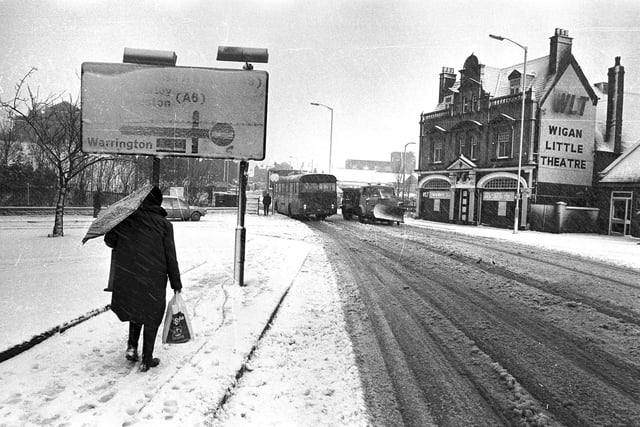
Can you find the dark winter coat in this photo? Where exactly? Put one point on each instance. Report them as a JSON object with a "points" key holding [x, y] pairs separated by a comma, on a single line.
{"points": [[266, 200], [143, 256]]}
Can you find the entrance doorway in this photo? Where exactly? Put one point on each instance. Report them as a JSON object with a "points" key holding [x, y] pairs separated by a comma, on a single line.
{"points": [[620, 213], [463, 206]]}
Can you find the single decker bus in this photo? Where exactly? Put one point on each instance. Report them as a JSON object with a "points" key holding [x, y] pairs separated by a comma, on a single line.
{"points": [[305, 196]]}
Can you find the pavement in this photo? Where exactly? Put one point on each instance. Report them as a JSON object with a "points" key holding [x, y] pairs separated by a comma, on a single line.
{"points": [[619, 250]]}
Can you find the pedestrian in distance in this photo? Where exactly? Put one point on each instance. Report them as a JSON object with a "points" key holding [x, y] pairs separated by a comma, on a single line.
{"points": [[97, 202], [266, 202], [143, 257]]}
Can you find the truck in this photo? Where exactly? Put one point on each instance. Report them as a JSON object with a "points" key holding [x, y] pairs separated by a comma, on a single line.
{"points": [[372, 203]]}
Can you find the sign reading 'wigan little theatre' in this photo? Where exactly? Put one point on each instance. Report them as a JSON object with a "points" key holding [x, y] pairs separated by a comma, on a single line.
{"points": [[565, 150]]}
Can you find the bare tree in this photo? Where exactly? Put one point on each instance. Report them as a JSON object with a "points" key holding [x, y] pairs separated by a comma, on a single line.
{"points": [[9, 144], [54, 127], [9, 137]]}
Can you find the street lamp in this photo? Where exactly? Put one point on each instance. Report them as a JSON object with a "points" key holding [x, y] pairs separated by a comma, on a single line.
{"points": [[330, 132], [404, 165], [524, 79]]}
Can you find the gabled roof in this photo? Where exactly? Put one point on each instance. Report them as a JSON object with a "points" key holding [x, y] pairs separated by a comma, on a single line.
{"points": [[624, 169], [495, 81], [583, 79], [461, 163]]}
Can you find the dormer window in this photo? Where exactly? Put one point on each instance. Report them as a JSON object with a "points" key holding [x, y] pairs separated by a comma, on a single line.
{"points": [[514, 86], [515, 82], [448, 100]]}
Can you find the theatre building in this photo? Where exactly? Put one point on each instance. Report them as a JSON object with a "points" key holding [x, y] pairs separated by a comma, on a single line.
{"points": [[470, 144]]}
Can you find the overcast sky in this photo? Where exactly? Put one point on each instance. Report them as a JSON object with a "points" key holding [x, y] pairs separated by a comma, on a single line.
{"points": [[376, 62]]}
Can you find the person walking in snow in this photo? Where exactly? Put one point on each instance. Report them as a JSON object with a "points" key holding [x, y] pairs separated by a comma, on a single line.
{"points": [[266, 202], [144, 256], [97, 202]]}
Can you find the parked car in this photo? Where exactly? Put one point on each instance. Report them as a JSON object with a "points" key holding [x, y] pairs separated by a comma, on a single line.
{"points": [[177, 208]]}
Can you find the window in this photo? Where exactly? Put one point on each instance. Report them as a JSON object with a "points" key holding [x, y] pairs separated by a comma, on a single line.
{"points": [[504, 144], [473, 145], [448, 100], [437, 151], [465, 104], [514, 86], [474, 103], [461, 143], [327, 187]]}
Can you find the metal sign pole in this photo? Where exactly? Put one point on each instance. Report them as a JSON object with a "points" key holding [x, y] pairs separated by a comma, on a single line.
{"points": [[238, 273], [155, 172]]}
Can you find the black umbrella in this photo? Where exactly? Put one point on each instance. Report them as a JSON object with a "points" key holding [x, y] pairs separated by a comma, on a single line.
{"points": [[116, 213]]}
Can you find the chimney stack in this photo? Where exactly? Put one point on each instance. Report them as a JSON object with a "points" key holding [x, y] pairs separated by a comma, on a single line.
{"points": [[615, 95], [559, 50], [447, 79]]}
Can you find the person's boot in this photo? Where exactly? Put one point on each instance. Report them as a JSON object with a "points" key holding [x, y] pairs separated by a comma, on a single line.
{"points": [[148, 341], [132, 343], [149, 363], [131, 354]]}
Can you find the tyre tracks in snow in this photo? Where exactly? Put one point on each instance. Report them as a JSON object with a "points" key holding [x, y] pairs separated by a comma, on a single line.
{"points": [[485, 340]]}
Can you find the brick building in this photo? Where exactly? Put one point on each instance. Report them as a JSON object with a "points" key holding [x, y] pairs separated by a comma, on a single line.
{"points": [[469, 145]]}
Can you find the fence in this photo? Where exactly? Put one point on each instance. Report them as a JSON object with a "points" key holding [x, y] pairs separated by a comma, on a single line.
{"points": [[560, 218]]}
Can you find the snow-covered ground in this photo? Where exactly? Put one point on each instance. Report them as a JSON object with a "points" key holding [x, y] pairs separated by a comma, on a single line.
{"points": [[80, 377], [301, 373]]}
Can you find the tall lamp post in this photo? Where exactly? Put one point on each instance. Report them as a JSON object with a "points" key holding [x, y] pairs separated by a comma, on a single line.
{"points": [[523, 81], [317, 104], [404, 166]]}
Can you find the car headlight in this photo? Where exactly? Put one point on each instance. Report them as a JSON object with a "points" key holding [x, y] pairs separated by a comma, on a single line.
{"points": [[304, 207]]}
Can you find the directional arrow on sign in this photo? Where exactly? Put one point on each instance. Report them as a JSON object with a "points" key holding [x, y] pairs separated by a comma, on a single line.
{"points": [[167, 132], [221, 134]]}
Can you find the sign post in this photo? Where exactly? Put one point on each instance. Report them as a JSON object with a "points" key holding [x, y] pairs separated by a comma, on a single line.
{"points": [[241, 232], [148, 106], [241, 54]]}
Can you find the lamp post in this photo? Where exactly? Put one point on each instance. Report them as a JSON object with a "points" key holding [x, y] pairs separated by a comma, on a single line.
{"points": [[317, 104], [523, 82], [404, 166]]}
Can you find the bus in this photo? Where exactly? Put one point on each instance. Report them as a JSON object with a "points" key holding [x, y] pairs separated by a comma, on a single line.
{"points": [[306, 195]]}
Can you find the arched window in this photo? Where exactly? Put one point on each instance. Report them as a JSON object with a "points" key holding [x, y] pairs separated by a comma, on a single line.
{"points": [[501, 183], [437, 184]]}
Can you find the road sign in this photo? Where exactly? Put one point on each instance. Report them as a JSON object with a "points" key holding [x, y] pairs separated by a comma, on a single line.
{"points": [[174, 111]]}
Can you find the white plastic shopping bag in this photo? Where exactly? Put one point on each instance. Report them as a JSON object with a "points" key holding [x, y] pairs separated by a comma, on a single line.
{"points": [[177, 325]]}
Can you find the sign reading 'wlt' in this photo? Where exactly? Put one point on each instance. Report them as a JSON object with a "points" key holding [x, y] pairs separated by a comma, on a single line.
{"points": [[175, 111]]}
